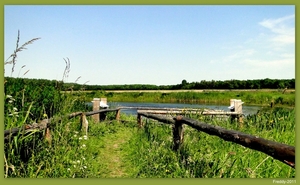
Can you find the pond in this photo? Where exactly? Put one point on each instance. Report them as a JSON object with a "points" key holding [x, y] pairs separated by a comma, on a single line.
{"points": [[246, 109]]}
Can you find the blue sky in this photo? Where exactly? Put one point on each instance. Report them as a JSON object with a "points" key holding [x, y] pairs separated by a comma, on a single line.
{"points": [[160, 45]]}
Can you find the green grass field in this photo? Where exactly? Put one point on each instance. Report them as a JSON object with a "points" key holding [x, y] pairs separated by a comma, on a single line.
{"points": [[250, 97]]}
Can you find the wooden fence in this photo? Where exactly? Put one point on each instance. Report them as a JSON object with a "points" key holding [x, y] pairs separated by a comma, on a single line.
{"points": [[46, 124], [279, 151]]}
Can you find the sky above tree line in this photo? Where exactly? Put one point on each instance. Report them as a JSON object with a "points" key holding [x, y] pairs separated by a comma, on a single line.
{"points": [[151, 44]]}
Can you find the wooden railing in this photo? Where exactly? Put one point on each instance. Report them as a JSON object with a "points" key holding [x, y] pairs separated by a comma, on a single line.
{"points": [[279, 151], [46, 124]]}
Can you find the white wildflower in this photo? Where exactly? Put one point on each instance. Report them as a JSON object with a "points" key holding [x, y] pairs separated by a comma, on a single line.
{"points": [[80, 138], [15, 109], [85, 137], [85, 167], [75, 135], [8, 96], [78, 161], [69, 169]]}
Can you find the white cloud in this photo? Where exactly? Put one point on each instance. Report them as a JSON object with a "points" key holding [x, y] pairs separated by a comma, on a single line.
{"points": [[284, 39], [270, 52], [283, 29]]}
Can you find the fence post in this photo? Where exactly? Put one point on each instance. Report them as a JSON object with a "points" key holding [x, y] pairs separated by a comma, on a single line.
{"points": [[177, 134], [139, 120], [118, 115], [238, 106], [48, 136], [96, 105]]}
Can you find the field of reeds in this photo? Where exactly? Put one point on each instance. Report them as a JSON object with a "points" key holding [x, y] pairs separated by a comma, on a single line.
{"points": [[115, 149]]}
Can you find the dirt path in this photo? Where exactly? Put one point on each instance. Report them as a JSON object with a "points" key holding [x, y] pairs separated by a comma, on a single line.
{"points": [[112, 153]]}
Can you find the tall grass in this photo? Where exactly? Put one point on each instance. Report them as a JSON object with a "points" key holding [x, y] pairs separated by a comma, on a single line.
{"points": [[205, 156], [26, 103]]}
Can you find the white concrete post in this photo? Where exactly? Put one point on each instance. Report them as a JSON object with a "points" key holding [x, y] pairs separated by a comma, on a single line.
{"points": [[96, 106]]}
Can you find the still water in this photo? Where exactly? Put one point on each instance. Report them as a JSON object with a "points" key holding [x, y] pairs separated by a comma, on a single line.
{"points": [[246, 109]]}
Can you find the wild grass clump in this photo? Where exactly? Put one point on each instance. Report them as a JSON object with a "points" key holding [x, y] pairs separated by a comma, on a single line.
{"points": [[32, 156], [43, 160]]}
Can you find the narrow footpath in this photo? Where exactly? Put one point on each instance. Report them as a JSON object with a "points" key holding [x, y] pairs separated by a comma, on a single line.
{"points": [[112, 154]]}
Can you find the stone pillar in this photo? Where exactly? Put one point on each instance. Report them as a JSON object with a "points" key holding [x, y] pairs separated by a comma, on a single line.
{"points": [[96, 106]]}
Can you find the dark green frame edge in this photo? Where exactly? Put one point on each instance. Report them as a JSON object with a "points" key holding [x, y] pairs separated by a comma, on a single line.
{"points": [[145, 2]]}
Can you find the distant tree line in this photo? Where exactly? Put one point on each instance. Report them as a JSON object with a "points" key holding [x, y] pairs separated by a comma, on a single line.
{"points": [[227, 84], [213, 84], [238, 84]]}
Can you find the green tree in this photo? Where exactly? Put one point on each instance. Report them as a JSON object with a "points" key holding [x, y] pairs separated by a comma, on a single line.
{"points": [[184, 83]]}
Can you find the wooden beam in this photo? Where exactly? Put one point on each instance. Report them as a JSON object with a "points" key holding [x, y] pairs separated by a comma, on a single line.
{"points": [[46, 122], [158, 108], [100, 111], [26, 129], [160, 118], [187, 112], [279, 151]]}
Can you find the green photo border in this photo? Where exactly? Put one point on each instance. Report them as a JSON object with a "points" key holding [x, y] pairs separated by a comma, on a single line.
{"points": [[141, 181]]}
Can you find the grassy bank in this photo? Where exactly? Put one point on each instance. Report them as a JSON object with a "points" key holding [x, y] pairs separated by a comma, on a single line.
{"points": [[259, 97]]}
